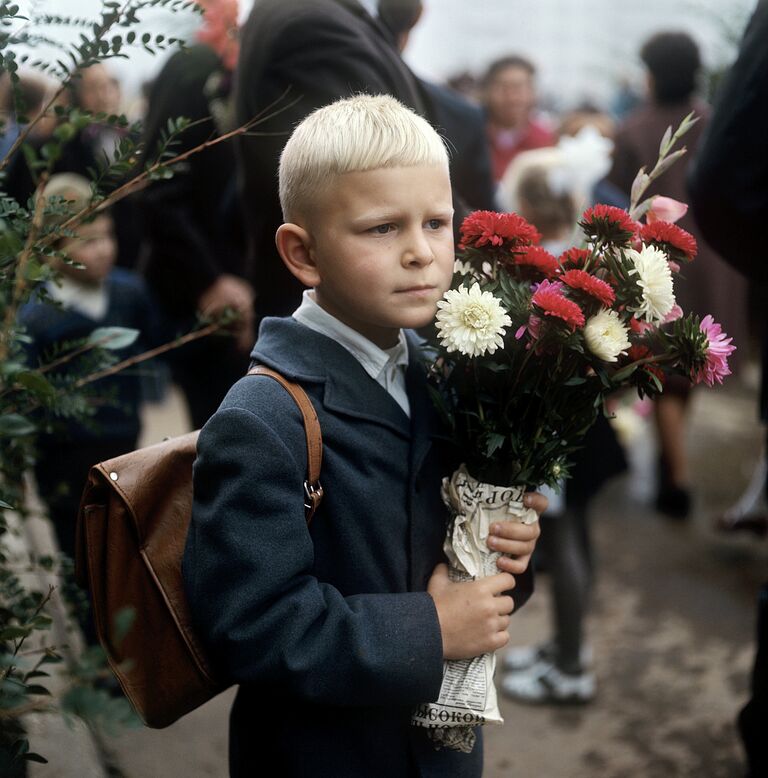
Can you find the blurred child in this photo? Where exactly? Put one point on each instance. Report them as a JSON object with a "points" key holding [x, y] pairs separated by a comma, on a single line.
{"points": [[89, 293], [550, 187]]}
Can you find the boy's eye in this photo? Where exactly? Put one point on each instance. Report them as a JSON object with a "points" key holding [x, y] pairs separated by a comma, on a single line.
{"points": [[382, 229], [435, 224]]}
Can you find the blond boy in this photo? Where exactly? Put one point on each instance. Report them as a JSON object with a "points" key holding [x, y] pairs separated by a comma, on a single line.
{"points": [[336, 631]]}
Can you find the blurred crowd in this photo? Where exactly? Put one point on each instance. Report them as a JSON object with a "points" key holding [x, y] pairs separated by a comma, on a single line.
{"points": [[203, 241]]}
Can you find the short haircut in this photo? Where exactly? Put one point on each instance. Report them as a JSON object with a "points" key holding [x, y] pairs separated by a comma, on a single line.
{"points": [[76, 191], [512, 61], [353, 135], [673, 60]]}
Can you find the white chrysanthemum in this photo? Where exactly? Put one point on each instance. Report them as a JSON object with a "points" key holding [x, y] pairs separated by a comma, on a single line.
{"points": [[654, 278], [463, 268], [606, 335], [471, 322]]}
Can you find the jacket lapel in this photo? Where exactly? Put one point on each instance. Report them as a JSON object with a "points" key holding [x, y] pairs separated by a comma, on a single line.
{"points": [[300, 354]]}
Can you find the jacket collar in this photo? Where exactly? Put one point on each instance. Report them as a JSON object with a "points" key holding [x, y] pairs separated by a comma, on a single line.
{"points": [[306, 356]]}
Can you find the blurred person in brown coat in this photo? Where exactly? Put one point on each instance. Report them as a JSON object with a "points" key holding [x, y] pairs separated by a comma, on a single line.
{"points": [[708, 285]]}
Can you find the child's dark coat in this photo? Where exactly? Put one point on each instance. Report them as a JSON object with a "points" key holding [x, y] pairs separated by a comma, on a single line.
{"points": [[329, 631]]}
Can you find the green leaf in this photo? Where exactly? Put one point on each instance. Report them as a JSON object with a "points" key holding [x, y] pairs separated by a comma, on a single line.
{"points": [[36, 382], [14, 633], [39, 690], [13, 425], [113, 338], [4, 504], [32, 757]]}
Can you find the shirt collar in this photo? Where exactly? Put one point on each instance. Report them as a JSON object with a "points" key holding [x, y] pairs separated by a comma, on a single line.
{"points": [[372, 6], [91, 301], [373, 359]]}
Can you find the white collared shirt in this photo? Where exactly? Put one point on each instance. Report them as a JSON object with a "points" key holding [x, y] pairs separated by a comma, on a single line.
{"points": [[91, 300], [385, 366]]}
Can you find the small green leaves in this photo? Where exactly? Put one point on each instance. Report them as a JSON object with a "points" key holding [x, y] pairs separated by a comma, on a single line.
{"points": [[113, 338]]}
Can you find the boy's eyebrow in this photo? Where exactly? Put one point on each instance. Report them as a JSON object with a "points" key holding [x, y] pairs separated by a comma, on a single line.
{"points": [[388, 216]]}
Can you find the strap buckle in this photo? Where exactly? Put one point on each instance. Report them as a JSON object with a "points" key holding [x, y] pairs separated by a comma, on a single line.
{"points": [[313, 494]]}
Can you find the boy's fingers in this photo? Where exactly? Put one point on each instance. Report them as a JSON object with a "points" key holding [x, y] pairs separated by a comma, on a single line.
{"points": [[512, 547], [513, 530], [501, 582], [536, 501], [514, 566], [505, 605]]}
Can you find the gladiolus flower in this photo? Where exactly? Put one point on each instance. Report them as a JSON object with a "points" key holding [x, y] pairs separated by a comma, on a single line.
{"points": [[655, 281], [718, 349], [471, 321], [594, 287], [665, 209], [606, 336], [549, 298]]}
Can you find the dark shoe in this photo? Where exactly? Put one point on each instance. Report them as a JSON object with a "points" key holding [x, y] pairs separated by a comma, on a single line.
{"points": [[674, 502], [757, 524]]}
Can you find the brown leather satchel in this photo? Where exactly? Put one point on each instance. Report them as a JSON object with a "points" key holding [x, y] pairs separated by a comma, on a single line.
{"points": [[131, 530]]}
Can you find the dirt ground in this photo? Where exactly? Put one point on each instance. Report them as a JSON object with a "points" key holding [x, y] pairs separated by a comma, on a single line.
{"points": [[672, 631]]}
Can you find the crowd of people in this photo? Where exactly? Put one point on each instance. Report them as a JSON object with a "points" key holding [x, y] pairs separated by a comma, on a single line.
{"points": [[203, 241]]}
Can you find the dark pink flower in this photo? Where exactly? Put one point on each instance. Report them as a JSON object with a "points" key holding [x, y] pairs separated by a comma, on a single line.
{"points": [[718, 350]]}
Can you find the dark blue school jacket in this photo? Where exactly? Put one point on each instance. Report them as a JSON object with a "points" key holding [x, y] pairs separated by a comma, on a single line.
{"points": [[327, 629]]}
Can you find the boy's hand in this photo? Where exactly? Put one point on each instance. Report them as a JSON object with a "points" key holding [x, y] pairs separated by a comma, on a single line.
{"points": [[473, 615], [516, 539]]}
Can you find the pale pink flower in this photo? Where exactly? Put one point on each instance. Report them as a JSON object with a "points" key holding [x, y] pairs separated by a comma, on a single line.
{"points": [[718, 350], [675, 314], [665, 209]]}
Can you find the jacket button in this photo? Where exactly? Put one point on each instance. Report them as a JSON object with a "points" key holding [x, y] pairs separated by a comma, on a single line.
{"points": [[113, 475]]}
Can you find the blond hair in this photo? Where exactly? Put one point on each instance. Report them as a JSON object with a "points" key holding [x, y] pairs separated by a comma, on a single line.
{"points": [[353, 135]]}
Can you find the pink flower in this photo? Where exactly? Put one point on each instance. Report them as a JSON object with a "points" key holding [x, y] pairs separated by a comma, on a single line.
{"points": [[675, 314], [718, 350], [665, 209]]}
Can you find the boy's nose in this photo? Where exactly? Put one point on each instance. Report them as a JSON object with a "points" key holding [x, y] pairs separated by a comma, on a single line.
{"points": [[418, 251]]}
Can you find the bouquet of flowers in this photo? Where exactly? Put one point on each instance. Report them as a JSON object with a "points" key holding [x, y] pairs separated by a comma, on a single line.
{"points": [[529, 346]]}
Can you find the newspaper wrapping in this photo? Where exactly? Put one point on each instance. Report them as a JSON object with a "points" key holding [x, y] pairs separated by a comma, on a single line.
{"points": [[468, 696]]}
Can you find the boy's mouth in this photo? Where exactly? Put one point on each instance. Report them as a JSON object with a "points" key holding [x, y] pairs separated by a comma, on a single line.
{"points": [[419, 289]]}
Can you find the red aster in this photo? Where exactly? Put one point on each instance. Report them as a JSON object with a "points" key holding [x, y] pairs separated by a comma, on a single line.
{"points": [[607, 223], [678, 243], [549, 299], [574, 257], [538, 259], [638, 352], [594, 287], [506, 230]]}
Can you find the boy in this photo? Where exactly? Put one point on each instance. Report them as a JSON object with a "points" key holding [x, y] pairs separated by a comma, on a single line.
{"points": [[90, 292], [335, 632]]}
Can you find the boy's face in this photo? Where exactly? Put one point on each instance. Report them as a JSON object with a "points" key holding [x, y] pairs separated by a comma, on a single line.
{"points": [[94, 248], [382, 241]]}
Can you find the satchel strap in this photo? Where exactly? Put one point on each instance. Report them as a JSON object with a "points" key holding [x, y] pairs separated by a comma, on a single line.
{"points": [[313, 491]]}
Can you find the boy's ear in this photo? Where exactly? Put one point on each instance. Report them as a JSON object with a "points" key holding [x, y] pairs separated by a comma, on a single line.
{"points": [[295, 247]]}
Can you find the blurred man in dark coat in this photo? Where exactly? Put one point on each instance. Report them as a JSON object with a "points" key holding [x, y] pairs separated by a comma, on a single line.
{"points": [[729, 194], [296, 57]]}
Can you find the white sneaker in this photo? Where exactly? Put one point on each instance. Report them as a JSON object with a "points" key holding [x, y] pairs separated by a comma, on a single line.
{"points": [[544, 683], [520, 658]]}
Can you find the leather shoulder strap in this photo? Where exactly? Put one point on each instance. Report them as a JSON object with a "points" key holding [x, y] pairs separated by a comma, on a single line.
{"points": [[313, 491]]}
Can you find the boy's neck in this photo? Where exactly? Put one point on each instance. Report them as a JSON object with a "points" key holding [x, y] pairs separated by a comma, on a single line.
{"points": [[383, 338]]}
